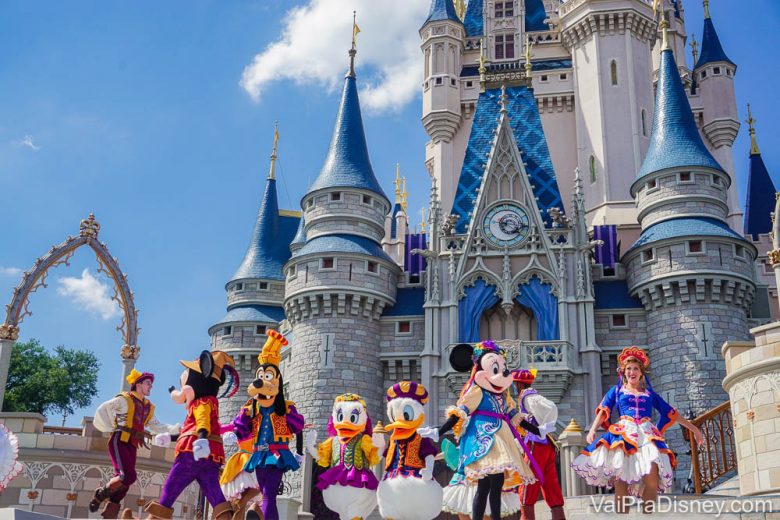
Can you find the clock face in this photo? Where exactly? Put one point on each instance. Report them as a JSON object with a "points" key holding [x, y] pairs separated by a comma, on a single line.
{"points": [[506, 225]]}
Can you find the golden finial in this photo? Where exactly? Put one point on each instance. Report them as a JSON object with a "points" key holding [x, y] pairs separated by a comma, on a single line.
{"points": [[706, 9], [397, 183], [664, 37], [656, 6], [404, 194], [272, 170], [380, 428], [573, 427], [353, 50], [460, 8], [695, 48], [422, 211], [528, 56], [752, 129]]}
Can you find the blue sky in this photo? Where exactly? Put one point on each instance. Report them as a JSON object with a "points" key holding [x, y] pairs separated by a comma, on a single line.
{"points": [[137, 111]]}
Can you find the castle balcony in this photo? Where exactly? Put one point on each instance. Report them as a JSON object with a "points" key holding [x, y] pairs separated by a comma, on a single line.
{"points": [[555, 361]]}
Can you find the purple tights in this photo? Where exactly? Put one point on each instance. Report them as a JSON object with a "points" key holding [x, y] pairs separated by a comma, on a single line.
{"points": [[269, 480], [186, 469]]}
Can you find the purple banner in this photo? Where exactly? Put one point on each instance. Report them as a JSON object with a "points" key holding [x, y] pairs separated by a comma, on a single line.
{"points": [[414, 264], [607, 254]]}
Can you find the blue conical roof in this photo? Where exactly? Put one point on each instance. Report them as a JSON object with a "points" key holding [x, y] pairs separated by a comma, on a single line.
{"points": [[300, 234], [711, 49], [760, 201], [535, 16], [675, 141], [442, 10], [473, 20], [265, 257], [347, 164]]}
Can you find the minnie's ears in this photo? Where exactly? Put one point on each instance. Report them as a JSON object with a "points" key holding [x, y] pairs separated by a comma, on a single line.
{"points": [[460, 357]]}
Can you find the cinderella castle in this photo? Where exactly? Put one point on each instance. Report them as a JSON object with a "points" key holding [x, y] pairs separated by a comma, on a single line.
{"points": [[582, 199]]}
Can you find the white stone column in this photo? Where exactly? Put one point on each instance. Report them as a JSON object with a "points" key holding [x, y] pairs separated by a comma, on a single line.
{"points": [[6, 345], [571, 440], [129, 365]]}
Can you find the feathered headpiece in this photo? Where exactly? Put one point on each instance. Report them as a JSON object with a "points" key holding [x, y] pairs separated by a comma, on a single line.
{"points": [[272, 350], [135, 377], [483, 347]]}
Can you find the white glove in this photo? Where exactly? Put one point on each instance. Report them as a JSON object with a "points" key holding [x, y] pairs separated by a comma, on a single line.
{"points": [[310, 442], [162, 439], [378, 440], [229, 438], [200, 449], [427, 472], [299, 458], [429, 433]]}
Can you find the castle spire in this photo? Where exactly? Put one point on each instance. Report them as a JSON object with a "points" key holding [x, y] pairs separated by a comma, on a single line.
{"points": [[694, 48], [760, 200], [675, 141], [404, 194], [665, 34], [752, 130], [442, 10], [272, 170], [397, 183], [347, 164], [711, 49], [353, 49]]}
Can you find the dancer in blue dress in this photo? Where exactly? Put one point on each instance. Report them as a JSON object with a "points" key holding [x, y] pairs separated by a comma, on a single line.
{"points": [[632, 455]]}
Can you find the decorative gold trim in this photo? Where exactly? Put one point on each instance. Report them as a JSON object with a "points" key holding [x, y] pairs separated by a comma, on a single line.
{"points": [[774, 256]]}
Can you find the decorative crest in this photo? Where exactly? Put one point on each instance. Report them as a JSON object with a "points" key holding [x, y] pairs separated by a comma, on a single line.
{"points": [[89, 227]]}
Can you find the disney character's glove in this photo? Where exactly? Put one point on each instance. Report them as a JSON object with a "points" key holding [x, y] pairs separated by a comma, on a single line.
{"points": [[378, 440], [162, 439], [310, 442], [200, 449], [229, 438], [429, 433], [427, 472], [299, 458]]}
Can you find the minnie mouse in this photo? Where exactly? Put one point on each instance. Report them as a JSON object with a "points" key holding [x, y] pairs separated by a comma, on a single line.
{"points": [[492, 454]]}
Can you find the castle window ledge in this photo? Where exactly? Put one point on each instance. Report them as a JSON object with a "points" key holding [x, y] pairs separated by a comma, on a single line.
{"points": [[740, 253], [260, 330], [403, 328], [238, 287], [367, 199], [227, 331], [292, 272], [648, 256], [618, 321], [685, 178], [372, 268], [695, 248], [335, 196], [327, 264], [652, 186]]}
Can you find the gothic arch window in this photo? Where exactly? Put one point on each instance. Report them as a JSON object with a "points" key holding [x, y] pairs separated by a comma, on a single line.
{"points": [[592, 167], [520, 324], [613, 71]]}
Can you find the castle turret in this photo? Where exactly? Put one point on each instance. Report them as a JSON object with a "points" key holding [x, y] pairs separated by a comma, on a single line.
{"points": [[691, 271], [719, 120], [256, 290], [397, 222], [610, 46], [760, 200], [340, 281], [442, 45]]}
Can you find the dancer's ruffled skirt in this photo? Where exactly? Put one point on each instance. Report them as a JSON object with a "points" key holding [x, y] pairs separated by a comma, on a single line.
{"points": [[627, 452]]}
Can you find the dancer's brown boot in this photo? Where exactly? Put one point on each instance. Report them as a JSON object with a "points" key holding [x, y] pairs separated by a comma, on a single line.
{"points": [[223, 511], [158, 511], [558, 513], [254, 512], [111, 510], [240, 509], [127, 514], [527, 512], [103, 493]]}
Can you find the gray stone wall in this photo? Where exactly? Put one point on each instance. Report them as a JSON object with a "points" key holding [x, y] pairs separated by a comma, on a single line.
{"points": [[669, 185], [614, 339], [351, 364], [349, 214], [347, 271], [391, 341], [251, 292], [686, 366]]}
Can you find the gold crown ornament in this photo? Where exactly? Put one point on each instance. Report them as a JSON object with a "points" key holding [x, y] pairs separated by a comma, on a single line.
{"points": [[272, 350]]}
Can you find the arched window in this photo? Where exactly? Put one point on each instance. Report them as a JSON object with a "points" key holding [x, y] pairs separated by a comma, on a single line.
{"points": [[613, 71], [644, 122], [592, 165]]}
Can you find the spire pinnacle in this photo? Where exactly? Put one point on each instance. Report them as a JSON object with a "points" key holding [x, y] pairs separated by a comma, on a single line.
{"points": [[422, 226], [706, 4], [664, 36], [272, 170], [528, 56], [694, 48], [397, 183], [502, 99], [353, 49], [754, 150], [404, 195]]}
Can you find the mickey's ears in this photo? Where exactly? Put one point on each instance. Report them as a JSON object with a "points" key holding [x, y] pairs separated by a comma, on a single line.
{"points": [[460, 357]]}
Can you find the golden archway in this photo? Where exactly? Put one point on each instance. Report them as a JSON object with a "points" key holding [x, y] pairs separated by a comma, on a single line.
{"points": [[35, 278]]}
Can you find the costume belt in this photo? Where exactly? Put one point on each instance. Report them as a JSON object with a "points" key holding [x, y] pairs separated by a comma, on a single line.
{"points": [[143, 435], [273, 448], [504, 417], [212, 438]]}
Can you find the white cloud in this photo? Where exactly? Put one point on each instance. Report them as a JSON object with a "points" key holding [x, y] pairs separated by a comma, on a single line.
{"points": [[28, 142], [10, 271], [312, 50], [90, 293]]}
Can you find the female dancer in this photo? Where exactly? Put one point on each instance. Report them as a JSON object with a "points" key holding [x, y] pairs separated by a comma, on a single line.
{"points": [[632, 455]]}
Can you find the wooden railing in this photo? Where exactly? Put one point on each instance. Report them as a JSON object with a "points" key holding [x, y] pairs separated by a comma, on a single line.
{"points": [[717, 456]]}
